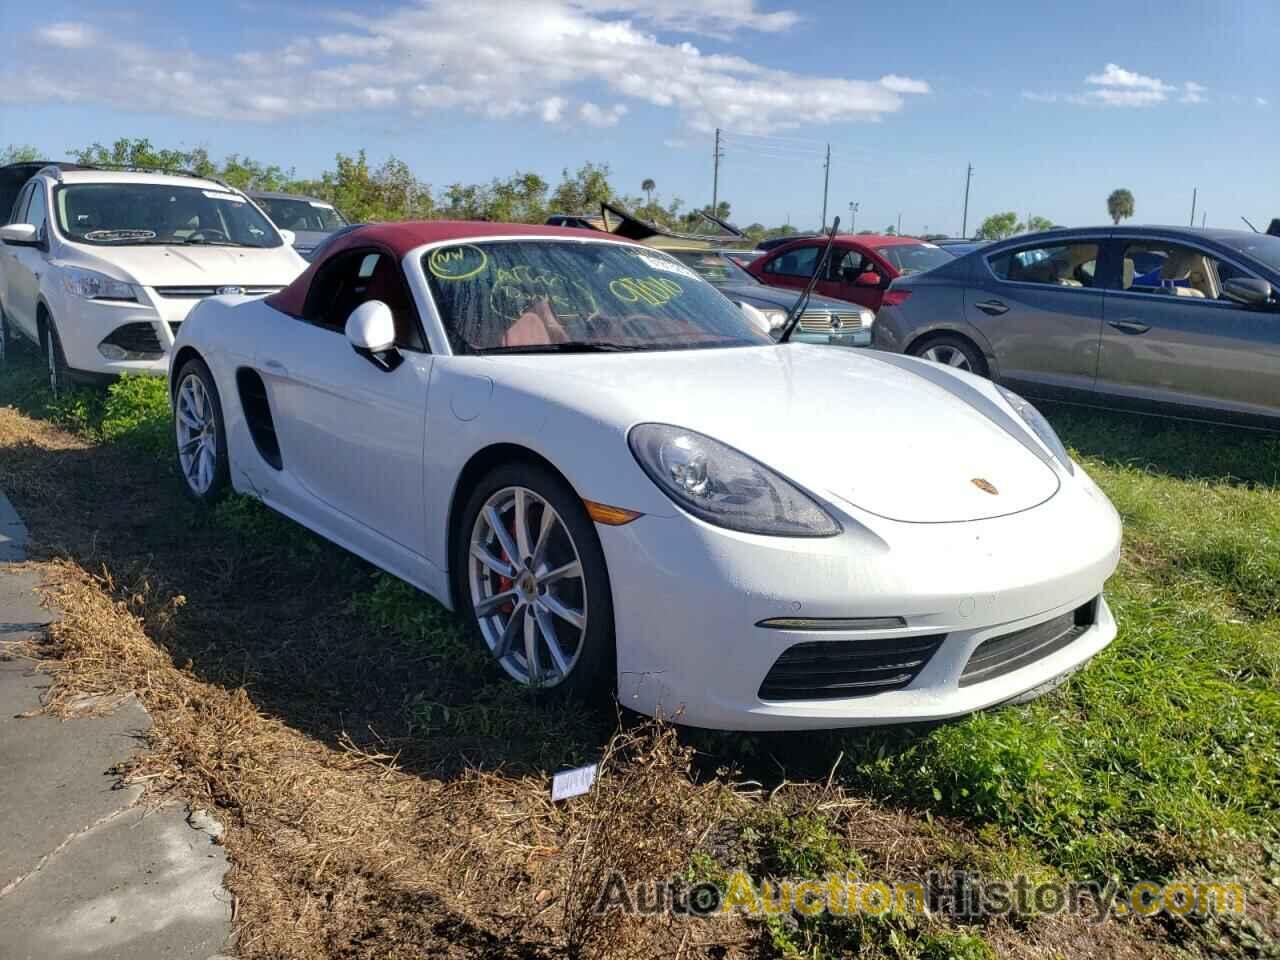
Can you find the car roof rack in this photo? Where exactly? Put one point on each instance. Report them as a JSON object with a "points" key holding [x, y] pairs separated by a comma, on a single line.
{"points": [[138, 168]]}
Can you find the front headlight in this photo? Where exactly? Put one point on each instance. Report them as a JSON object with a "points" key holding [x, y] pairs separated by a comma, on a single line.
{"points": [[92, 285], [724, 486], [1040, 427], [776, 318]]}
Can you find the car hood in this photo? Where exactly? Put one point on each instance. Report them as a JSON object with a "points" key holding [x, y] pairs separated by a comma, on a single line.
{"points": [[759, 295], [309, 239], [899, 438], [192, 265]]}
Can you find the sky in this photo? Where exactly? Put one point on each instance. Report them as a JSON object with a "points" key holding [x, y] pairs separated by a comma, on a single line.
{"points": [[1053, 107]]}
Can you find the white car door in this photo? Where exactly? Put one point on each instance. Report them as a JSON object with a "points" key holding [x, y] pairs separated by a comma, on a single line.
{"points": [[351, 432], [23, 266]]}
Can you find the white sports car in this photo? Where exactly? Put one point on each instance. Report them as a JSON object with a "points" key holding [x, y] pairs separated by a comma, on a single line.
{"points": [[618, 481]]}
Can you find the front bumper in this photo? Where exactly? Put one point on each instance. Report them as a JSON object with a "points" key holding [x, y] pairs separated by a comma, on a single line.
{"points": [[859, 338], [688, 598], [85, 324]]}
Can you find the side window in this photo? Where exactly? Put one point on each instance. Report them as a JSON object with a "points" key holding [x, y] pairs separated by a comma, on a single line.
{"points": [[794, 263], [351, 279], [1061, 265], [36, 209], [1174, 270], [20, 205], [850, 266]]}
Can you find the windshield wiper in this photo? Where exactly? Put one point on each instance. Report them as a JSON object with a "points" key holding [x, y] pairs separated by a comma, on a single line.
{"points": [[797, 308], [573, 346]]}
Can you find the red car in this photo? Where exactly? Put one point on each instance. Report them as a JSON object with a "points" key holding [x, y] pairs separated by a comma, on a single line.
{"points": [[860, 268]]}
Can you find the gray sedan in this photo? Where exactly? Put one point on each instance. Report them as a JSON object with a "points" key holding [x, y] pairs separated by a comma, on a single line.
{"points": [[312, 221], [1168, 320]]}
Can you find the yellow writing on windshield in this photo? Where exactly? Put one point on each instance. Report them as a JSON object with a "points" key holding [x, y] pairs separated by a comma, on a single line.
{"points": [[518, 287], [651, 290], [457, 263]]}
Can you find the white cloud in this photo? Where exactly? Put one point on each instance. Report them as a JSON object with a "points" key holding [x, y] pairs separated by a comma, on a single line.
{"points": [[488, 57], [1193, 92], [69, 36], [891, 81], [711, 17], [1114, 76], [598, 116], [553, 109], [1038, 97], [1118, 87]]}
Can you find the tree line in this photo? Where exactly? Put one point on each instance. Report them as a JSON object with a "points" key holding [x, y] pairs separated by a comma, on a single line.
{"points": [[366, 192]]}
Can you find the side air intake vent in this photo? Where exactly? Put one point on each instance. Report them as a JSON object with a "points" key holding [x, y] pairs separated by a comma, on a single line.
{"points": [[257, 415]]}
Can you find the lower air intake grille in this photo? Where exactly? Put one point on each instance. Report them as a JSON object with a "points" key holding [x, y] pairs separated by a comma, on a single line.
{"points": [[836, 669], [136, 338], [1000, 655]]}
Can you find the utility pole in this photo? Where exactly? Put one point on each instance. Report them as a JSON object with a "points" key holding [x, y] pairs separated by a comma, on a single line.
{"points": [[899, 223], [1203, 217], [826, 182], [1194, 191], [964, 226], [716, 155], [853, 217]]}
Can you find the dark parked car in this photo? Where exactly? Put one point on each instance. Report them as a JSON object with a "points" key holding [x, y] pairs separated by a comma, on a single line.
{"points": [[311, 220], [1170, 320], [823, 321]]}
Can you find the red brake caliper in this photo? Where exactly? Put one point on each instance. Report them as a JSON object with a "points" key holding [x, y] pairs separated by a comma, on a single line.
{"points": [[506, 583]]}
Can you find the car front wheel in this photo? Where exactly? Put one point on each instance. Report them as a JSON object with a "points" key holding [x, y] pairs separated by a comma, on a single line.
{"points": [[200, 435], [533, 582], [59, 375]]}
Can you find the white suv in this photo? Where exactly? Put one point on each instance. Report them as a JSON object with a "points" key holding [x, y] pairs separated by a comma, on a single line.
{"points": [[99, 267]]}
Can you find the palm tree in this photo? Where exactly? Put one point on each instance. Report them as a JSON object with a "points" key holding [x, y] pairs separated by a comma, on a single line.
{"points": [[1120, 205], [648, 186]]}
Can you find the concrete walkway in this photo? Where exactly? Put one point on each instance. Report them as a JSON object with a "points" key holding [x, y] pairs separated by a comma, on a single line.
{"points": [[85, 869]]}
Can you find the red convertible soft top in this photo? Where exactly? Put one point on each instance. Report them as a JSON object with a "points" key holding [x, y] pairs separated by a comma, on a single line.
{"points": [[398, 239]]}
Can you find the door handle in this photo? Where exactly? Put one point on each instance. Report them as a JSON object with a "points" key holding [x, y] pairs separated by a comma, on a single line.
{"points": [[992, 307], [1132, 327]]}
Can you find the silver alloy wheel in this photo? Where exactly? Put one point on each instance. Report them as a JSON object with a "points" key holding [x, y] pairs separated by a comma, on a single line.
{"points": [[197, 434], [948, 356], [527, 587]]}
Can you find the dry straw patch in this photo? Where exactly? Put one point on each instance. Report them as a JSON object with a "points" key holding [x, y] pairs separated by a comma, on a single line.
{"points": [[338, 852]]}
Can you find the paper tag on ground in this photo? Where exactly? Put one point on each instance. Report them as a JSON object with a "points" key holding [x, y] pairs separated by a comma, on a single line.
{"points": [[573, 783]]}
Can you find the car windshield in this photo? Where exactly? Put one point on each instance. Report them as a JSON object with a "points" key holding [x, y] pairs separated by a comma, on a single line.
{"points": [[551, 296], [908, 258], [712, 266], [129, 214], [292, 213], [1260, 246]]}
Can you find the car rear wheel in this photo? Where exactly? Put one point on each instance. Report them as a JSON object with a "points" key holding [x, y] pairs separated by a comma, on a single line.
{"points": [[533, 582], [201, 438], [952, 351]]}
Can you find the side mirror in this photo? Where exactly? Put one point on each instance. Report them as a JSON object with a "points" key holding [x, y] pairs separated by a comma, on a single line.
{"points": [[289, 237], [1247, 290], [371, 329], [868, 279], [20, 235]]}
